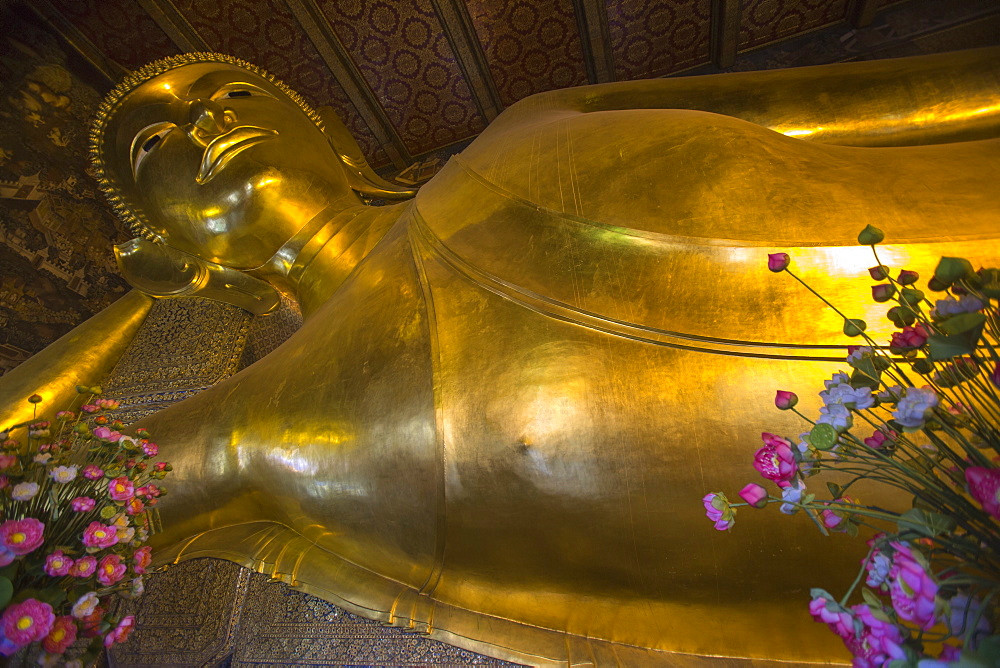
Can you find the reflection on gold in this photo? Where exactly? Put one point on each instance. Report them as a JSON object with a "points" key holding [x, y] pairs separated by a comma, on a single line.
{"points": [[510, 393]]}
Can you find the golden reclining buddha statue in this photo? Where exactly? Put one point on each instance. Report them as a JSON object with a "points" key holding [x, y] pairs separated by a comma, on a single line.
{"points": [[511, 392]]}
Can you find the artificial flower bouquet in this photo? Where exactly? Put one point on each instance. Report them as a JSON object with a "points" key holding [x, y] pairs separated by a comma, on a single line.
{"points": [[920, 416], [76, 509]]}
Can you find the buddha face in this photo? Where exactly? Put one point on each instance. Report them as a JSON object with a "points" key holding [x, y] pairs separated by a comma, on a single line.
{"points": [[222, 163]]}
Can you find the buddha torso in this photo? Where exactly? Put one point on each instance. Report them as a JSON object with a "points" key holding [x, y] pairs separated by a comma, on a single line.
{"points": [[499, 425]]}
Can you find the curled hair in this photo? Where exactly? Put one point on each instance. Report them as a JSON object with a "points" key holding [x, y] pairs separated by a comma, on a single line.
{"points": [[133, 217]]}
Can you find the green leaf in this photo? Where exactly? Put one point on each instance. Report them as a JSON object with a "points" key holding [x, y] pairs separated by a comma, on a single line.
{"points": [[962, 323], [835, 490], [946, 347], [6, 591], [911, 295], [852, 529], [854, 326], [53, 596], [873, 601], [928, 523]]}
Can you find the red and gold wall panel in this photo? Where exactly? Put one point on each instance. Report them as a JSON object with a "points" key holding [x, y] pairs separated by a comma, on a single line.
{"points": [[530, 46], [265, 32], [766, 21], [401, 50], [650, 38], [120, 29]]}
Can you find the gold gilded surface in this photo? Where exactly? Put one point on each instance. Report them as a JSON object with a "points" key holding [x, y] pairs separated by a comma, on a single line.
{"points": [[83, 356], [509, 395]]}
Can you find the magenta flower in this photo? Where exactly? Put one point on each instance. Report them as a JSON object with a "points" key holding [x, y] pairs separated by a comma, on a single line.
{"points": [[879, 643], [121, 632], [984, 486], [62, 635], [150, 449], [832, 614], [785, 400], [100, 536], [912, 588], [27, 622], [91, 472], [121, 488], [110, 570], [142, 558], [22, 536], [755, 495], [57, 564], [777, 262], [834, 516], [82, 504], [718, 510], [6, 461], [83, 567], [775, 461], [877, 440]]}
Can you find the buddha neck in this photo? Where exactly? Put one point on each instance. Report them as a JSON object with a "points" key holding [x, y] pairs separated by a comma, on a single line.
{"points": [[320, 257]]}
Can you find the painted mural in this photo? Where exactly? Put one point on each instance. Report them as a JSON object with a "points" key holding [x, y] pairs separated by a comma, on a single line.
{"points": [[56, 264]]}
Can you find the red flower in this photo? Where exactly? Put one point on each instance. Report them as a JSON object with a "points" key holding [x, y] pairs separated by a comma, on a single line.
{"points": [[62, 635], [908, 339]]}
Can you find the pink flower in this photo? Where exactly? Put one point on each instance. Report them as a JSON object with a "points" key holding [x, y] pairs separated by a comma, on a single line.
{"points": [[785, 400], [89, 408], [877, 440], [83, 567], [833, 615], [57, 564], [106, 434], [121, 632], [911, 588], [834, 516], [879, 642], [775, 460], [109, 404], [121, 488], [21, 536], [142, 558], [110, 570], [134, 507], [150, 449], [100, 536], [755, 495], [85, 605], [91, 472], [82, 504], [6, 461], [62, 635], [27, 622], [908, 339], [718, 510], [777, 262], [984, 486], [65, 415]]}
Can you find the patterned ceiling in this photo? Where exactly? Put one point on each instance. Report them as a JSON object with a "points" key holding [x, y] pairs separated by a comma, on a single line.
{"points": [[412, 76]]}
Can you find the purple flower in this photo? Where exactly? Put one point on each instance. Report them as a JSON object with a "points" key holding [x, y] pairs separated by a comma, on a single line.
{"points": [[951, 306], [967, 613], [775, 461], [778, 261], [755, 495], [791, 495], [57, 564], [22, 536], [837, 416], [915, 407], [839, 391], [718, 510], [785, 400], [911, 587], [878, 565]]}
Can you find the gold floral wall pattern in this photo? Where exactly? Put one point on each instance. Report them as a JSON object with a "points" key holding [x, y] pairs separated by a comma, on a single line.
{"points": [[56, 265]]}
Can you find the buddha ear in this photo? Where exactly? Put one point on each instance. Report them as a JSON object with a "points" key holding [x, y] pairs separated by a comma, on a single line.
{"points": [[162, 271], [360, 176]]}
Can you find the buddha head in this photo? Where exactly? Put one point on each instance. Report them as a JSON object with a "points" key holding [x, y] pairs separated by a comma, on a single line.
{"points": [[209, 156]]}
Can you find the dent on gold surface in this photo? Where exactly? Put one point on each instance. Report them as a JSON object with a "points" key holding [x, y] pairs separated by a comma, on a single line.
{"points": [[510, 394], [85, 356]]}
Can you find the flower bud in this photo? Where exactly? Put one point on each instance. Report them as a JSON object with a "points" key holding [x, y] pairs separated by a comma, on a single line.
{"points": [[870, 236], [907, 277], [911, 295], [951, 269], [883, 292], [35, 399], [785, 400], [879, 272], [778, 262], [755, 495]]}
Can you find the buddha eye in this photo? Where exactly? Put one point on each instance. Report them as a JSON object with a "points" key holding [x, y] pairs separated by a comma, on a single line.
{"points": [[235, 91], [146, 141]]}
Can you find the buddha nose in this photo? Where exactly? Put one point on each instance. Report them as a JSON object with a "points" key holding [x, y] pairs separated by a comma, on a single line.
{"points": [[207, 116]]}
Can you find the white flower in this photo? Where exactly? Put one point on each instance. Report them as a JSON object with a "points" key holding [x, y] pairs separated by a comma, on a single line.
{"points": [[85, 605], [42, 458], [63, 474], [24, 491], [836, 415], [915, 407]]}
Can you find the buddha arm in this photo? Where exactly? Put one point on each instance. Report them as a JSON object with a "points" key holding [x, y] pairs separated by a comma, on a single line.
{"points": [[84, 356], [922, 100]]}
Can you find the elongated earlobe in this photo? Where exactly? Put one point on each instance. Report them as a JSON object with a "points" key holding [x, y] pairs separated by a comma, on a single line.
{"points": [[162, 271], [360, 176]]}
